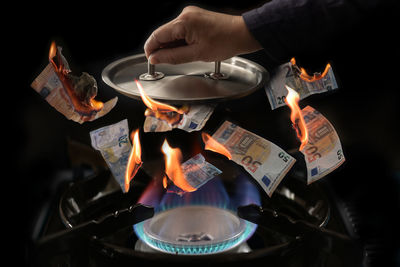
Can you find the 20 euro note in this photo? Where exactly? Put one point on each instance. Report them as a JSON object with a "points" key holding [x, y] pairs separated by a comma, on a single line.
{"points": [[197, 172], [113, 143], [266, 162], [193, 120], [323, 152], [68, 93], [289, 74]]}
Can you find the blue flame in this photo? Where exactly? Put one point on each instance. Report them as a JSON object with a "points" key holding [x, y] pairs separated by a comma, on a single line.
{"points": [[195, 249], [212, 193]]}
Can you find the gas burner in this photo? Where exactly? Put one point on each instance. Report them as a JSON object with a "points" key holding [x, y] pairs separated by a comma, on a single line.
{"points": [[194, 230]]}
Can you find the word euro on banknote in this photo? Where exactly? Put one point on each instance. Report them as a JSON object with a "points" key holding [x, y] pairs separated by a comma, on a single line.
{"points": [[266, 162], [193, 120], [323, 152], [71, 95], [289, 74], [113, 143]]}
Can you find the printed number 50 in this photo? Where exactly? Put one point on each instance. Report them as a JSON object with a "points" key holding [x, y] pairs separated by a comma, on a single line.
{"points": [[283, 156], [250, 164]]}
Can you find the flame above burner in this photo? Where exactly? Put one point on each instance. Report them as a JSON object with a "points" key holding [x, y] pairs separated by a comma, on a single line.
{"points": [[292, 100], [134, 161], [212, 145], [173, 170]]}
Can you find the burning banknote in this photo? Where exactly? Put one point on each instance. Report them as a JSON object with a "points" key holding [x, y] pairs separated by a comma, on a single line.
{"points": [[198, 171], [323, 152], [71, 95], [266, 162], [193, 119], [297, 78], [113, 143], [162, 117], [320, 143], [187, 176]]}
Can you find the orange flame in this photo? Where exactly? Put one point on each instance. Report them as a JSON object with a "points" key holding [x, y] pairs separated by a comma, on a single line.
{"points": [[52, 54], [155, 105], [292, 100], [134, 161], [162, 111], [213, 145], [79, 105], [52, 51], [308, 78], [173, 159]]}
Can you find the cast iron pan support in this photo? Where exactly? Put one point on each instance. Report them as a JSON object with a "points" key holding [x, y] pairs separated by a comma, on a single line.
{"points": [[76, 239], [303, 231]]}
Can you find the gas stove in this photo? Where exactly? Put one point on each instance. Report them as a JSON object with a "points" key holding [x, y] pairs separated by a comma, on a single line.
{"points": [[91, 222]]}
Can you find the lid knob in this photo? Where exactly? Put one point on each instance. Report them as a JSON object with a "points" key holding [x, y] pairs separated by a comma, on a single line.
{"points": [[217, 74], [151, 74]]}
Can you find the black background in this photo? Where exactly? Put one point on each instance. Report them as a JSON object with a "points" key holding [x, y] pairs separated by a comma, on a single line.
{"points": [[364, 110]]}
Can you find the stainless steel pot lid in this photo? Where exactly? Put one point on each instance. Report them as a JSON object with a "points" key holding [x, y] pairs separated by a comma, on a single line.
{"points": [[189, 82]]}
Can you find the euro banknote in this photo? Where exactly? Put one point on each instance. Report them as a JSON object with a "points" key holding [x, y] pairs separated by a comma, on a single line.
{"points": [[289, 74], [198, 171], [51, 85], [193, 120], [263, 160], [113, 143], [323, 152]]}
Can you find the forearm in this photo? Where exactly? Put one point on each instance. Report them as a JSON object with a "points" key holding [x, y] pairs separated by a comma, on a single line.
{"points": [[286, 28]]}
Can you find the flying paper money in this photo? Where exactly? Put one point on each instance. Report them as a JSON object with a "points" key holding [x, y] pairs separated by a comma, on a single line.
{"points": [[190, 175], [266, 162], [70, 95], [193, 120], [113, 143], [198, 171], [323, 152], [290, 74]]}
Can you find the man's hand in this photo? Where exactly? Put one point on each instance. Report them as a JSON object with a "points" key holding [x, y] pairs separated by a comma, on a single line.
{"points": [[199, 35]]}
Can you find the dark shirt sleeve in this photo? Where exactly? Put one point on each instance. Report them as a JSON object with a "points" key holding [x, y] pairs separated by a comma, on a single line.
{"points": [[286, 28]]}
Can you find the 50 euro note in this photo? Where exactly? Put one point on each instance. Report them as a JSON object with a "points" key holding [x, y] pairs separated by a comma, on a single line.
{"points": [[113, 143], [263, 160], [289, 74], [323, 152], [193, 120]]}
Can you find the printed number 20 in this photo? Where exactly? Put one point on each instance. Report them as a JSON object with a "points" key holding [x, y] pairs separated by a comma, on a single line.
{"points": [[281, 99]]}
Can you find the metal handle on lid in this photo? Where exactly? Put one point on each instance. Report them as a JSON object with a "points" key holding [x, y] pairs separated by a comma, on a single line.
{"points": [[151, 74], [217, 74]]}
